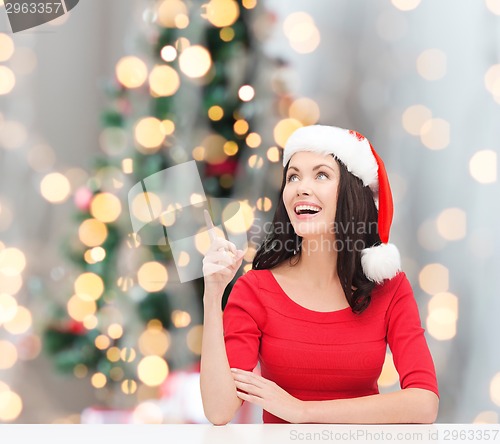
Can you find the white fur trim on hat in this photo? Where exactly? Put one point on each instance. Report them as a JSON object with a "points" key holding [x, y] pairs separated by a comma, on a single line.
{"points": [[354, 153], [380, 262]]}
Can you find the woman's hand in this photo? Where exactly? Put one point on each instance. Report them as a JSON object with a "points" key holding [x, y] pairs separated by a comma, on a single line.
{"points": [[221, 262], [268, 395]]}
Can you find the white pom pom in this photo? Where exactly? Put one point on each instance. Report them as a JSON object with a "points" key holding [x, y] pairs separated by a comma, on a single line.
{"points": [[381, 262]]}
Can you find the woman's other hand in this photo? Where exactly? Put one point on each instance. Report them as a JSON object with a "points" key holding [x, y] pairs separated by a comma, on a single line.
{"points": [[268, 395]]}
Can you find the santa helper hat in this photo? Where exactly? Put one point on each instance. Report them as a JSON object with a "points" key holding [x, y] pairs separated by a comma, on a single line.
{"points": [[357, 154]]}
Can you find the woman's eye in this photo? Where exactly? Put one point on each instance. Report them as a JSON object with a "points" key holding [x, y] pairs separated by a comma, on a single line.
{"points": [[290, 177], [323, 174]]}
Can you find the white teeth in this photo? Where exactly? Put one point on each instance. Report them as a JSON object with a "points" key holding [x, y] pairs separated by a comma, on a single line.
{"points": [[300, 208]]}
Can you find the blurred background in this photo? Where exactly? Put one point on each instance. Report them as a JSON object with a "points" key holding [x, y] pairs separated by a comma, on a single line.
{"points": [[95, 326]]}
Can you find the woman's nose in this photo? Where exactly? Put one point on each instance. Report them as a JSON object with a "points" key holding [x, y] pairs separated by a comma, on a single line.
{"points": [[303, 188]]}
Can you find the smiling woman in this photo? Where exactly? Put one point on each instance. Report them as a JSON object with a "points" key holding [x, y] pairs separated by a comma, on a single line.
{"points": [[323, 301]]}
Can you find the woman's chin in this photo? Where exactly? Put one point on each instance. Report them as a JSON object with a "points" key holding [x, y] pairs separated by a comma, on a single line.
{"points": [[310, 229]]}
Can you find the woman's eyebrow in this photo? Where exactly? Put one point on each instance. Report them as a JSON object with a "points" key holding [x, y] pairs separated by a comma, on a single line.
{"points": [[314, 169]]}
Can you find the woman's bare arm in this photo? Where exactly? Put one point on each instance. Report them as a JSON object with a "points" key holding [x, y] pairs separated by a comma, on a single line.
{"points": [[218, 390]]}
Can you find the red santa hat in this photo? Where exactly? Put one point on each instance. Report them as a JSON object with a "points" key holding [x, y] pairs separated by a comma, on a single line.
{"points": [[357, 154]]}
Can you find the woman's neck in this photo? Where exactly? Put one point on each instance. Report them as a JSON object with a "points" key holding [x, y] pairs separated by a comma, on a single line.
{"points": [[318, 263]]}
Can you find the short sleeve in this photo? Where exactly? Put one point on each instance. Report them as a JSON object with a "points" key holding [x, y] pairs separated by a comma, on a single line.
{"points": [[406, 339], [241, 319]]}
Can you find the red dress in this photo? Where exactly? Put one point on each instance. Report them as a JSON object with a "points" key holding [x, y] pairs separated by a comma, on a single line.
{"points": [[325, 355]]}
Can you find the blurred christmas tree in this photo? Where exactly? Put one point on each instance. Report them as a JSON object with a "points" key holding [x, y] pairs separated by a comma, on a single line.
{"points": [[122, 318]]}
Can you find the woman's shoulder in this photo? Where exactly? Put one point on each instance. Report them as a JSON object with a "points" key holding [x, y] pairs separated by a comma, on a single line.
{"points": [[390, 290], [255, 278], [390, 285]]}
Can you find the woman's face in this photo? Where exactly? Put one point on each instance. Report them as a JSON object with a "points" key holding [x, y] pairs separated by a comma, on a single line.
{"points": [[312, 180]]}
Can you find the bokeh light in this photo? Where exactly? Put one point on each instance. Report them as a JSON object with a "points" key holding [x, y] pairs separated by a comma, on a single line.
{"points": [[414, 117], [195, 61], [92, 232], [255, 161], [492, 80], [273, 154], [7, 80], [115, 331], [131, 72], [10, 284], [441, 325], [264, 204], [495, 389], [164, 81], [55, 188], [214, 148], [20, 323], [148, 133], [89, 286], [493, 6], [12, 261], [227, 34], [152, 276], [435, 134], [79, 309], [434, 278], [127, 165], [253, 140], [221, 13], [181, 318], [193, 339], [102, 342], [249, 4], [6, 47], [241, 127], [154, 341], [444, 301], [483, 166], [244, 219], [129, 386], [406, 5], [431, 64], [246, 93], [98, 380], [452, 224], [105, 207], [127, 354], [8, 352], [168, 53], [170, 12], [302, 33], [8, 307], [147, 412], [488, 416], [304, 110], [284, 129], [152, 370], [145, 204], [11, 405]]}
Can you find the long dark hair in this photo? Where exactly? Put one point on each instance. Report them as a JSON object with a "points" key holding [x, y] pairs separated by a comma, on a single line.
{"points": [[356, 228]]}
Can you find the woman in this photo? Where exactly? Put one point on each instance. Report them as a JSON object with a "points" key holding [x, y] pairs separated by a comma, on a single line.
{"points": [[324, 299]]}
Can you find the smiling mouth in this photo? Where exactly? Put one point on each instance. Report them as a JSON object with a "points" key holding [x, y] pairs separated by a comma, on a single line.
{"points": [[306, 210]]}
